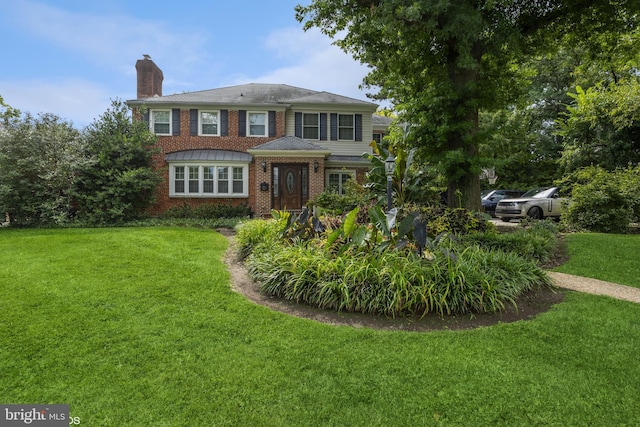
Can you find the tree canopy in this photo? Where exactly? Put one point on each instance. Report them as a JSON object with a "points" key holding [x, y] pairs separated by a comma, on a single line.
{"points": [[442, 62]]}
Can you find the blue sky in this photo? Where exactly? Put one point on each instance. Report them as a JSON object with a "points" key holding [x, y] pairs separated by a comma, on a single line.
{"points": [[72, 57]]}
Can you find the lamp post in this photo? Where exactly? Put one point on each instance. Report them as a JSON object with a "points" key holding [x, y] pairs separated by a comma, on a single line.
{"points": [[389, 168]]}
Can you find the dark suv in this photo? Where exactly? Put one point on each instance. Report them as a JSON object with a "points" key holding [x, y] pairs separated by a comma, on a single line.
{"points": [[491, 199]]}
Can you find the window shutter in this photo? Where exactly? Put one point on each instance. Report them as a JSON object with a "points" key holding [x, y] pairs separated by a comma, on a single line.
{"points": [[146, 117], [298, 125], [323, 126], [358, 130], [175, 117], [272, 123], [224, 122], [193, 122], [242, 123], [334, 126]]}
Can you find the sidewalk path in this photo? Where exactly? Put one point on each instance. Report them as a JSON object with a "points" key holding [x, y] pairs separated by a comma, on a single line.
{"points": [[595, 286]]}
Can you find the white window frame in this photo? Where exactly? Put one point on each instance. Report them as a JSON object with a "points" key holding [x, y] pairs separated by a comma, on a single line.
{"points": [[242, 168], [266, 123], [152, 121], [340, 172], [317, 126], [377, 137], [352, 127], [201, 122]]}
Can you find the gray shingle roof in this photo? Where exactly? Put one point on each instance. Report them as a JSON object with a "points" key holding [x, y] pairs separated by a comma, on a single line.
{"points": [[253, 94], [289, 143]]}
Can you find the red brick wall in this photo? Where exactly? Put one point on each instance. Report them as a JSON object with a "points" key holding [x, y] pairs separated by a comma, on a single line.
{"points": [[184, 141]]}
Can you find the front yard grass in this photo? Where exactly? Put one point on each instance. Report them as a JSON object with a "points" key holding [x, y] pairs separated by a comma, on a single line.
{"points": [[611, 257], [139, 327]]}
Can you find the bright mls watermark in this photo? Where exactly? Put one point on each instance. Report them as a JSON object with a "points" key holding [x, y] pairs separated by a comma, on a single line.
{"points": [[35, 415]]}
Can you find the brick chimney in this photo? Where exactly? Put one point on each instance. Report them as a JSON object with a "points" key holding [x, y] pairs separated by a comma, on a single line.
{"points": [[149, 78]]}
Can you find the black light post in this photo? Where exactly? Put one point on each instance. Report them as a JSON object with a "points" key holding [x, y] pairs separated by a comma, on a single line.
{"points": [[389, 168]]}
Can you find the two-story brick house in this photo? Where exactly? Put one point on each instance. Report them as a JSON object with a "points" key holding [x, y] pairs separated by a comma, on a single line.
{"points": [[264, 145]]}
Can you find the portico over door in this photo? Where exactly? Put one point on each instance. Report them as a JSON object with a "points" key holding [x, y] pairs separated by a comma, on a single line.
{"points": [[290, 187]]}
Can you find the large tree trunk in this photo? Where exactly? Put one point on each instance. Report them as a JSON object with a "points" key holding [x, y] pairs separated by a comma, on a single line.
{"points": [[463, 178]]}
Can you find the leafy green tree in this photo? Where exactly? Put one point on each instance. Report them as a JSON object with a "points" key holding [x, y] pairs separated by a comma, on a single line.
{"points": [[603, 127], [7, 113], [37, 158], [116, 182], [442, 62]]}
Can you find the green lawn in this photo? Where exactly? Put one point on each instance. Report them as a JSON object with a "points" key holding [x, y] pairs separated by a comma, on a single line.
{"points": [[611, 257], [138, 327]]}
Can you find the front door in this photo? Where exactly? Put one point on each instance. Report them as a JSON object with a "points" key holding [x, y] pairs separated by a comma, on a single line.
{"points": [[290, 186]]}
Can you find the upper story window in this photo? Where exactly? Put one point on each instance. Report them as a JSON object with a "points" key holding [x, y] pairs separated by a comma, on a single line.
{"points": [[311, 126], [257, 124], [209, 123], [346, 126], [161, 122]]}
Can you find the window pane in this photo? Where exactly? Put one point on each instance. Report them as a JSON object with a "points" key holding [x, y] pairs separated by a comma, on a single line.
{"points": [[161, 122], [208, 172], [178, 179], [345, 133], [238, 180], [209, 123], [223, 179], [207, 179], [334, 181], [345, 120], [310, 133], [345, 127], [194, 179], [276, 182], [257, 123], [310, 120]]}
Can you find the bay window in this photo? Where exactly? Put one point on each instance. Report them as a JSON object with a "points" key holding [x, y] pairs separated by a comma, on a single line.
{"points": [[209, 180]]}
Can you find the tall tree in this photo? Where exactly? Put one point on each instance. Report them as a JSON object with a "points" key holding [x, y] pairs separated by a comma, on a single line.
{"points": [[37, 159], [441, 62], [116, 183]]}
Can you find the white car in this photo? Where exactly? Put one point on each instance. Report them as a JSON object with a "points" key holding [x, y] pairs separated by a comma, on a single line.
{"points": [[539, 203]]}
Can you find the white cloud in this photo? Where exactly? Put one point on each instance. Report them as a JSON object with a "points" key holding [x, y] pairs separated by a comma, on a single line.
{"points": [[111, 40], [78, 101], [312, 62]]}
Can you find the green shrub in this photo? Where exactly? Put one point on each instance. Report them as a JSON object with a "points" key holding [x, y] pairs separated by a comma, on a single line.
{"points": [[207, 211], [536, 241], [257, 232], [333, 203], [449, 279], [599, 206], [601, 200], [456, 221]]}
